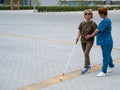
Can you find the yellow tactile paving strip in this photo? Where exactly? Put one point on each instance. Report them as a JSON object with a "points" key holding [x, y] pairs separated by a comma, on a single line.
{"points": [[46, 40], [55, 80]]}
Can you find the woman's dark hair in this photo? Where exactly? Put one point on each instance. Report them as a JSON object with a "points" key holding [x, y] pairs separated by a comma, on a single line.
{"points": [[103, 11]]}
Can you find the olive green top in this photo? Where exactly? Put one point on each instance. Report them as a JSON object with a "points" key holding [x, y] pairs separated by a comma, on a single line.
{"points": [[86, 28]]}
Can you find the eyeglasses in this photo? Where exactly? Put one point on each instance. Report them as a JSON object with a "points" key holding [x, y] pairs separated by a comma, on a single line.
{"points": [[87, 13]]}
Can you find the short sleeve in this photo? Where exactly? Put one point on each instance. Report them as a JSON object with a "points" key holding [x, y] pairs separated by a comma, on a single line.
{"points": [[94, 26], [103, 25], [80, 27]]}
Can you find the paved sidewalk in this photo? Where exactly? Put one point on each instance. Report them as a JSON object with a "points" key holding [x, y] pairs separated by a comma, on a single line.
{"points": [[35, 47], [68, 76]]}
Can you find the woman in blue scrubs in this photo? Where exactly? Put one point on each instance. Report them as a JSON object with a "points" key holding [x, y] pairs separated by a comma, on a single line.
{"points": [[104, 39]]}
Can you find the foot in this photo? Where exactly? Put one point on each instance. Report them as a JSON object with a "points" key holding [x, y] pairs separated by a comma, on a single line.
{"points": [[101, 74], [109, 70], [84, 71], [88, 67]]}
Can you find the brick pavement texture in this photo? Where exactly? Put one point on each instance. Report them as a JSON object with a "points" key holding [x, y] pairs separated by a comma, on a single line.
{"points": [[36, 46]]}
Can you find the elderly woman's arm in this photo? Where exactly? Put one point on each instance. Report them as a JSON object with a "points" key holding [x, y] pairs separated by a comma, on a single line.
{"points": [[78, 36], [92, 35]]}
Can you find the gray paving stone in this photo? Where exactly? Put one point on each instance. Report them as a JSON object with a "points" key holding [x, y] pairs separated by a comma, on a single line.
{"points": [[30, 54]]}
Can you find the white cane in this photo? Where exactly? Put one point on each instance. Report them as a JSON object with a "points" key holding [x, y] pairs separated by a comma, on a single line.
{"points": [[67, 63]]}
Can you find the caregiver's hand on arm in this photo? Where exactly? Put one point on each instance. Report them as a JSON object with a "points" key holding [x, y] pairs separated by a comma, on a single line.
{"points": [[92, 35]]}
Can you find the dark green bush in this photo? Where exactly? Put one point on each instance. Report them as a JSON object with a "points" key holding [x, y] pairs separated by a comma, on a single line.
{"points": [[4, 7], [15, 7], [66, 8], [57, 8], [26, 7], [112, 8]]}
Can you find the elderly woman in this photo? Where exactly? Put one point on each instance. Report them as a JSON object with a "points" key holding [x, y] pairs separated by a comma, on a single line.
{"points": [[104, 39], [86, 27]]}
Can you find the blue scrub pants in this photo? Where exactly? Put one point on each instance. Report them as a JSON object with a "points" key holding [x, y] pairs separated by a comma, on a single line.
{"points": [[107, 58]]}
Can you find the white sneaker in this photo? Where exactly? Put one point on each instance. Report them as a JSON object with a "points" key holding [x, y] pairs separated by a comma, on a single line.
{"points": [[109, 70], [101, 74]]}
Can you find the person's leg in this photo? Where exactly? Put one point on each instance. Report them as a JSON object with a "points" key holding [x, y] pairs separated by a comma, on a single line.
{"points": [[87, 51], [18, 4], [107, 59], [12, 4], [86, 48], [83, 46], [105, 51], [111, 65]]}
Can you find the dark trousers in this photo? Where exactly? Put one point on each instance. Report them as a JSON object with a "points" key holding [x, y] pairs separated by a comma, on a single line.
{"points": [[86, 49]]}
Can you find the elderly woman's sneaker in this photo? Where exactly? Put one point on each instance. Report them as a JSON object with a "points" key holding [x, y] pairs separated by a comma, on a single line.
{"points": [[101, 74], [84, 71], [88, 67]]}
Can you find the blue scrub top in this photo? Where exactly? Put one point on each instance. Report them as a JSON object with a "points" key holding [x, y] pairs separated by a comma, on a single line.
{"points": [[104, 36]]}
